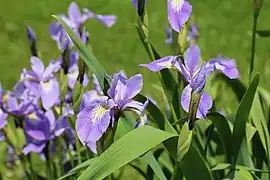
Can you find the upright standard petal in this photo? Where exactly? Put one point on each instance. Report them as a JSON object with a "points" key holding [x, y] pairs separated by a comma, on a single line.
{"points": [[92, 122], [224, 65], [204, 105], [37, 66], [179, 12], [74, 13], [117, 88], [49, 92], [163, 63], [133, 86], [107, 20], [192, 58]]}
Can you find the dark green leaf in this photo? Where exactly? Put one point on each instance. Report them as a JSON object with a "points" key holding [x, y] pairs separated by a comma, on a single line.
{"points": [[85, 52], [237, 86], [126, 149], [263, 33], [194, 166], [242, 116], [223, 130]]}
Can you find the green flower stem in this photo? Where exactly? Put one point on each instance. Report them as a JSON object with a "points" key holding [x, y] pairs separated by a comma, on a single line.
{"points": [[253, 46]]}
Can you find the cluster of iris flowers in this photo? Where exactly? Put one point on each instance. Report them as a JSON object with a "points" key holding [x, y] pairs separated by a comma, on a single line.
{"points": [[43, 102]]}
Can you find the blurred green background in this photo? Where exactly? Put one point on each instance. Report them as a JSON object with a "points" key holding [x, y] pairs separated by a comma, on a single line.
{"points": [[225, 28]]}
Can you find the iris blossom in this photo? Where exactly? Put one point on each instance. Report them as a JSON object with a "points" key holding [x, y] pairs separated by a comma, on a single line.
{"points": [[95, 118], [75, 18], [42, 81], [195, 75], [42, 127], [179, 12]]}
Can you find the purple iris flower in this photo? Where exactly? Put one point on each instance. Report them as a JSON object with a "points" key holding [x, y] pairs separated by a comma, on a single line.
{"points": [[42, 81], [193, 32], [42, 127], [3, 123], [194, 75], [169, 36], [179, 12], [95, 118], [75, 18]]}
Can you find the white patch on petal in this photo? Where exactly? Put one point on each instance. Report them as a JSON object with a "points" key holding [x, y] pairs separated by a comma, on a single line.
{"points": [[219, 67], [74, 74], [177, 4]]}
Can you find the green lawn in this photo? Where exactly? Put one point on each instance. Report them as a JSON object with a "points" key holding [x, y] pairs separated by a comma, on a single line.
{"points": [[225, 28]]}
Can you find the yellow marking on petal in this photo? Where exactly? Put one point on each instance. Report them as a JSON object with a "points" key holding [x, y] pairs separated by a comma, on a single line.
{"points": [[168, 64], [47, 85], [100, 111], [32, 116], [57, 109], [5, 98]]}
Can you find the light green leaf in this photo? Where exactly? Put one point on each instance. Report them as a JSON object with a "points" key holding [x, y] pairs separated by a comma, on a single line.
{"points": [[260, 123], [242, 175], [162, 122], [184, 142], [250, 132], [242, 117], [126, 149], [151, 160], [78, 168], [85, 52]]}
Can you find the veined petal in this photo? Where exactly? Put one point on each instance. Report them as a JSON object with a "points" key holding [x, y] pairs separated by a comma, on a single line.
{"points": [[107, 20], [74, 13], [92, 122], [62, 124], [52, 67], [135, 106], [192, 58], [224, 65], [199, 79], [49, 93], [183, 70], [133, 86], [37, 66], [90, 98], [117, 89], [163, 63], [50, 116], [92, 146], [179, 12], [204, 105]]}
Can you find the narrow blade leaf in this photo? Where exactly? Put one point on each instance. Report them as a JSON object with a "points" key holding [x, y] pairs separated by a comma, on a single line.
{"points": [[242, 116], [126, 149]]}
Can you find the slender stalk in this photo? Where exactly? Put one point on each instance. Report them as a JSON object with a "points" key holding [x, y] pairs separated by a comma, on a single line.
{"points": [[78, 150], [253, 46]]}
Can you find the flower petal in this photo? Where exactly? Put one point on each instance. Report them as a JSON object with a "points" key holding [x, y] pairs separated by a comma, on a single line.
{"points": [[107, 20], [92, 122], [192, 58], [179, 12], [74, 13], [204, 105], [37, 66], [133, 86], [117, 89], [163, 63], [50, 116], [224, 65], [97, 86], [49, 93], [31, 147], [3, 119]]}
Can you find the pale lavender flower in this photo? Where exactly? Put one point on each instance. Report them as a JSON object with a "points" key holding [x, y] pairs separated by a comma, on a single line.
{"points": [[42, 81], [95, 117], [195, 76], [76, 18], [179, 12], [193, 32]]}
